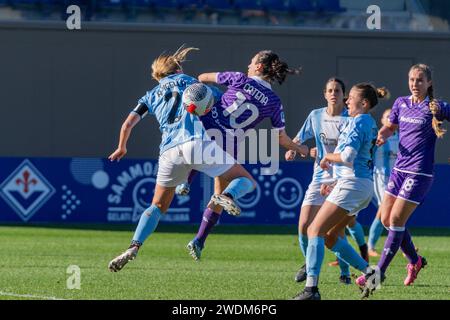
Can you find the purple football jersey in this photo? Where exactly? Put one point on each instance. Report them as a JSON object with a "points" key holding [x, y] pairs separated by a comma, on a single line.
{"points": [[416, 134], [246, 102]]}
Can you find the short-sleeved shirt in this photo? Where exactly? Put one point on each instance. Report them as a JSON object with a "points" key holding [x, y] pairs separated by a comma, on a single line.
{"points": [[175, 123], [417, 139], [325, 130], [246, 102], [360, 134]]}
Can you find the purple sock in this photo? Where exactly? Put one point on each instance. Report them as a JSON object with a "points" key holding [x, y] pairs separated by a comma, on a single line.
{"points": [[391, 247], [408, 248], [209, 220]]}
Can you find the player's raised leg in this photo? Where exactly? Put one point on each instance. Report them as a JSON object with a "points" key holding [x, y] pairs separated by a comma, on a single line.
{"points": [[240, 182], [147, 224]]}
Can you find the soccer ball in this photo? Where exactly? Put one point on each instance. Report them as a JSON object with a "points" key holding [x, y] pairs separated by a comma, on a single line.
{"points": [[198, 99]]}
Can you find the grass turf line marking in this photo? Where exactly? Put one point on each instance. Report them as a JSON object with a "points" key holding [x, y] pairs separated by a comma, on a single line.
{"points": [[10, 294]]}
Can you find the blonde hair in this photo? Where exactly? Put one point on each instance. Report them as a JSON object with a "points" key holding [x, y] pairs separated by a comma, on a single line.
{"points": [[434, 104], [167, 64]]}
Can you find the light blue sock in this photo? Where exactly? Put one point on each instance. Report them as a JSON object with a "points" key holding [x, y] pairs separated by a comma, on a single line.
{"points": [[345, 251], [147, 223], [314, 256], [303, 241], [357, 233], [376, 229], [344, 266], [239, 187]]}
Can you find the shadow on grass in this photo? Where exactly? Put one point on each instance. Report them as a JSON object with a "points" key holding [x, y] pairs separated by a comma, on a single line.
{"points": [[220, 229]]}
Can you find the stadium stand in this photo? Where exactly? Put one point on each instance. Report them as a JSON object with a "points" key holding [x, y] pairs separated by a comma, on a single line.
{"points": [[412, 15]]}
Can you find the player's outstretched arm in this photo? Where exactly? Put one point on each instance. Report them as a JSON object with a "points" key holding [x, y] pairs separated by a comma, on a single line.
{"points": [[385, 132], [286, 142], [125, 132], [330, 158], [208, 77], [290, 154]]}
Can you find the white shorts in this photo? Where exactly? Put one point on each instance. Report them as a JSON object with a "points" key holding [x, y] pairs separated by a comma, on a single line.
{"points": [[352, 195], [313, 196], [176, 163], [379, 184]]}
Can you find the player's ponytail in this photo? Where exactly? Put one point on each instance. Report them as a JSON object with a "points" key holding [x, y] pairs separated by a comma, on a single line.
{"points": [[434, 107], [273, 68], [371, 93], [434, 104], [167, 64]]}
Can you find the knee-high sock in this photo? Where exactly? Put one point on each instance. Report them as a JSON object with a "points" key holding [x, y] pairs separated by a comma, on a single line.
{"points": [[239, 187], [303, 241], [408, 248], [209, 220], [147, 224], [357, 233], [314, 259], [344, 266], [345, 251], [376, 228], [391, 246]]}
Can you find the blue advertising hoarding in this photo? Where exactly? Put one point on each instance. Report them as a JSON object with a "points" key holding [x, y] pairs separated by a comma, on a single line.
{"points": [[93, 190]]}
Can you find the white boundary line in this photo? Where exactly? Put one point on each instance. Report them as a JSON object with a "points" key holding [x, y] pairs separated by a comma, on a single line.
{"points": [[10, 294]]}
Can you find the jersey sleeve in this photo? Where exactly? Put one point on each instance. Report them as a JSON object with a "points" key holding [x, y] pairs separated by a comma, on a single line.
{"points": [[356, 135], [393, 116], [277, 118], [144, 105], [306, 132], [231, 78]]}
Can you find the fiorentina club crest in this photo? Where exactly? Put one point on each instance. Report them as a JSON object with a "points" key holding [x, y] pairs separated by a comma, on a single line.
{"points": [[26, 190]]}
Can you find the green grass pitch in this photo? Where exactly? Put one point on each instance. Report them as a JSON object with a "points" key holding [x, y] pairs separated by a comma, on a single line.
{"points": [[239, 262]]}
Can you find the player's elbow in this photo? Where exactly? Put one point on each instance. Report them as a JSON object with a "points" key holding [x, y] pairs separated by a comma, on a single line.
{"points": [[348, 155], [127, 125]]}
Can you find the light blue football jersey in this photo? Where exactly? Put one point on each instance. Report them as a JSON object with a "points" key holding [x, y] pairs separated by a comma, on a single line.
{"points": [[360, 133], [325, 130], [386, 155], [175, 123]]}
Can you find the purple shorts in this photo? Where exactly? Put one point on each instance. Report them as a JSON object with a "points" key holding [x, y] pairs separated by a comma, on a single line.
{"points": [[409, 186]]}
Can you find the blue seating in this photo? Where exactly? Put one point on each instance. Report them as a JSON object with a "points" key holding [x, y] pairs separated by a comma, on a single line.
{"points": [[172, 4], [276, 5], [219, 4], [111, 3], [301, 5], [27, 2], [249, 4], [329, 6]]}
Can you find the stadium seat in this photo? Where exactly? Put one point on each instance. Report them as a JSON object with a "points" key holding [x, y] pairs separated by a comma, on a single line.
{"points": [[301, 5], [28, 2], [172, 4], [329, 6], [219, 4], [111, 3], [276, 5], [249, 4]]}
